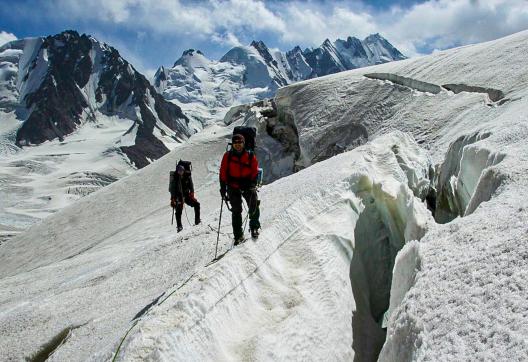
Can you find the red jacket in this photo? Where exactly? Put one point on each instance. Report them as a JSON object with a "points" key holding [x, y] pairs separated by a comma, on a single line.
{"points": [[239, 171]]}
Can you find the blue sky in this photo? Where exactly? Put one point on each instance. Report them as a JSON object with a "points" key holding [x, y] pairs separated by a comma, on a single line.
{"points": [[150, 33]]}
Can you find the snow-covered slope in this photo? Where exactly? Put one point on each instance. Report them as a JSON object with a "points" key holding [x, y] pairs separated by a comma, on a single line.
{"points": [[107, 277], [126, 259], [74, 116], [206, 89]]}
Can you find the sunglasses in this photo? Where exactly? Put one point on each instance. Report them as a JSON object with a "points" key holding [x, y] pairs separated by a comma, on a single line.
{"points": [[238, 142]]}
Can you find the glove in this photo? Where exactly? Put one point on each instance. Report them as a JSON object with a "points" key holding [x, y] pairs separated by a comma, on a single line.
{"points": [[173, 202], [223, 191], [191, 196]]}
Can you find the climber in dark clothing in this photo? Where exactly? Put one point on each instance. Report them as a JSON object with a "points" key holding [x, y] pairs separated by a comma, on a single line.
{"points": [[238, 178], [182, 191]]}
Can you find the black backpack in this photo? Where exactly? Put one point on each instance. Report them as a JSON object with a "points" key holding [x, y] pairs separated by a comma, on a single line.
{"points": [[187, 165], [250, 136]]}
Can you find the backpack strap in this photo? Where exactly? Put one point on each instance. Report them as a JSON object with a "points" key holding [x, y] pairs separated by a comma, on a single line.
{"points": [[228, 166]]}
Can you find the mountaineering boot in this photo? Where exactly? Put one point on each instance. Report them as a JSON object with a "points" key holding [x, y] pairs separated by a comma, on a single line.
{"points": [[255, 233], [239, 240], [198, 221], [180, 228]]}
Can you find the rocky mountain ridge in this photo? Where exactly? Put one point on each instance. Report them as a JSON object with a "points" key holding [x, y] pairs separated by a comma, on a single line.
{"points": [[55, 84]]}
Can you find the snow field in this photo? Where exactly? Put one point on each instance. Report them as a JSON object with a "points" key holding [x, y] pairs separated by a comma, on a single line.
{"points": [[56, 174], [116, 245]]}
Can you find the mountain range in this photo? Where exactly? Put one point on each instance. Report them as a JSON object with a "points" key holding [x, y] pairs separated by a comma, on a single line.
{"points": [[206, 88]]}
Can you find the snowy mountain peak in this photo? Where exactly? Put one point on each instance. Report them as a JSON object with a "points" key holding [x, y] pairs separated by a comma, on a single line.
{"points": [[353, 47], [352, 39], [192, 59], [375, 36], [60, 82], [381, 50], [191, 52], [187, 57], [350, 42], [296, 49], [160, 73], [259, 45], [254, 72]]}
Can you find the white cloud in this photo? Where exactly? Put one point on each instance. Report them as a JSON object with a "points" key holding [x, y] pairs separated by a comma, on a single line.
{"points": [[228, 39], [6, 37], [428, 25], [312, 25], [445, 23], [431, 24], [173, 16]]}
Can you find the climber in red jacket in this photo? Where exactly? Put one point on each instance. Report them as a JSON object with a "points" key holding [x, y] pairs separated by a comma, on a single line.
{"points": [[238, 178]]}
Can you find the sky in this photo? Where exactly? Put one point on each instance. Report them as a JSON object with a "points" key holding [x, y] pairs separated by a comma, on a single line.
{"points": [[151, 33]]}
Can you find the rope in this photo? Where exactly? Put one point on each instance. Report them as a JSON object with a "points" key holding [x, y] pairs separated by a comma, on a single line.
{"points": [[216, 230], [137, 320], [245, 222], [247, 215], [187, 217]]}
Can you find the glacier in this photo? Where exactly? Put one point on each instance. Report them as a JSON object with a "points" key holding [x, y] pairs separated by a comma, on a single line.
{"points": [[397, 230]]}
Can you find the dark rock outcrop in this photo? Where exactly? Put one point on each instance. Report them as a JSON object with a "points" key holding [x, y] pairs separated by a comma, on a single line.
{"points": [[80, 76]]}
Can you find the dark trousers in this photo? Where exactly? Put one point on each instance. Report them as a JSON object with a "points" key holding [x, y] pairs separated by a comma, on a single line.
{"points": [[191, 202], [235, 198]]}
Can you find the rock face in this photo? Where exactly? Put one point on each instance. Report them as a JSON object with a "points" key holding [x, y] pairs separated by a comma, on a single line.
{"points": [[58, 83], [277, 147], [246, 74]]}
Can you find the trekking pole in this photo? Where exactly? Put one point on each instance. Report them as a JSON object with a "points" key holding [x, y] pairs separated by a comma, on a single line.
{"points": [[219, 223], [173, 211]]}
